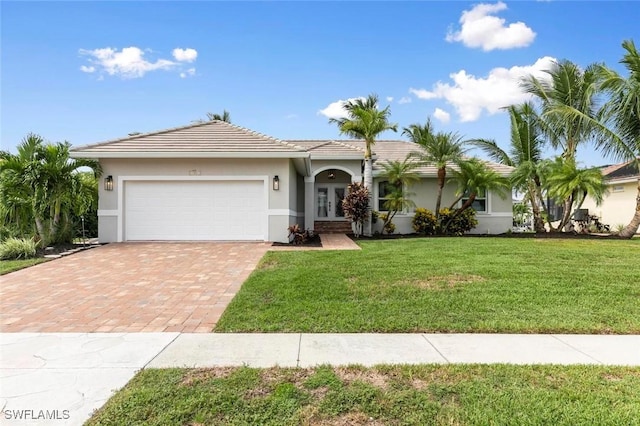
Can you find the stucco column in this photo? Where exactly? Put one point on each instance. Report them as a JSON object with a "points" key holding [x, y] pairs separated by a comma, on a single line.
{"points": [[309, 216]]}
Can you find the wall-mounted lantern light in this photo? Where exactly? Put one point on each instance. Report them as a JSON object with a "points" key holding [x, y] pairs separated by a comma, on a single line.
{"points": [[331, 175], [108, 183], [276, 183]]}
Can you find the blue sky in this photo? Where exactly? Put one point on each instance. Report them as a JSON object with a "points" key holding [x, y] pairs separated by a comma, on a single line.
{"points": [[91, 71]]}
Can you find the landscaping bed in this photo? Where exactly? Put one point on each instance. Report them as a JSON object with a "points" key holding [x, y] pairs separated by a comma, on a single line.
{"points": [[384, 395], [442, 285]]}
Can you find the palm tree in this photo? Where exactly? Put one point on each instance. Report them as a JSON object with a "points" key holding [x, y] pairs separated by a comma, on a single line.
{"points": [[365, 121], [48, 183], [568, 88], [400, 176], [474, 177], [441, 150], [226, 117], [566, 181], [623, 111], [524, 155]]}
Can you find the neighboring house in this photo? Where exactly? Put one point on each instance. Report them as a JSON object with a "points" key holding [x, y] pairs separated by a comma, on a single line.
{"points": [[219, 181], [618, 206]]}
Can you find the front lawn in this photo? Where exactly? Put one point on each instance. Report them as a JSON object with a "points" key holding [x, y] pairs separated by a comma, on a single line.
{"points": [[7, 266], [495, 285], [398, 395]]}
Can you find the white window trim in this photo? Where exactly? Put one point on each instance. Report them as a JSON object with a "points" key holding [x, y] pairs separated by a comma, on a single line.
{"points": [[487, 198]]}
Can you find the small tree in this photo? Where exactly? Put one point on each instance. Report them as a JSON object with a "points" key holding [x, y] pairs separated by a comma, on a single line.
{"points": [[356, 206], [400, 175]]}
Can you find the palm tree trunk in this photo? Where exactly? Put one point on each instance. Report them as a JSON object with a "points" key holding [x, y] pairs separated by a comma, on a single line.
{"points": [[442, 174], [458, 212], [368, 183], [630, 230], [566, 214], [538, 223]]}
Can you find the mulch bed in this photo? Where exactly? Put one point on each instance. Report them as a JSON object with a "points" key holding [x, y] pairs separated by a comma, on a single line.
{"points": [[313, 241], [546, 235]]}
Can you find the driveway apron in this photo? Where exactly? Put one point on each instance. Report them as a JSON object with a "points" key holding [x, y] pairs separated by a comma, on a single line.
{"points": [[129, 287]]}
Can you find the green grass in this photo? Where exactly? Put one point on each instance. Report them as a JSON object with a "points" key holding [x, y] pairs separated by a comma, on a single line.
{"points": [[7, 266], [390, 395], [495, 285]]}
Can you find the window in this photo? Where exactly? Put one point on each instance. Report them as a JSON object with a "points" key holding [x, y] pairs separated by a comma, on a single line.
{"points": [[480, 202], [618, 188], [383, 191]]}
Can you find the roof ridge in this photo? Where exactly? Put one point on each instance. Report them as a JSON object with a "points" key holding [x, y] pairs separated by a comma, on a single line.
{"points": [[263, 135], [347, 145]]}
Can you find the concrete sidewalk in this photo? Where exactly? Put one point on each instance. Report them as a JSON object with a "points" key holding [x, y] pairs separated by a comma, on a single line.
{"points": [[68, 375]]}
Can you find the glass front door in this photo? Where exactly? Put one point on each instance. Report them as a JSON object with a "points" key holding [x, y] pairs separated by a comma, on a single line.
{"points": [[329, 201]]}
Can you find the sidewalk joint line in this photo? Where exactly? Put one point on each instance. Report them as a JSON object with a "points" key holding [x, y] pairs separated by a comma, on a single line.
{"points": [[424, 336], [576, 349], [161, 350], [299, 346]]}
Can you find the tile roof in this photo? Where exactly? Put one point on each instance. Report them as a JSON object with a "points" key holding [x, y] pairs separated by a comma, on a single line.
{"points": [[210, 137], [390, 150], [620, 171], [329, 148]]}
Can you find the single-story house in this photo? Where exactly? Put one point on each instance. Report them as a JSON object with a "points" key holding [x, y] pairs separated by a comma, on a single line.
{"points": [[619, 204], [218, 181]]}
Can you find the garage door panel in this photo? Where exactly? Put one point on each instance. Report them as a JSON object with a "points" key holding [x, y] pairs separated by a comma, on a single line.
{"points": [[200, 210]]}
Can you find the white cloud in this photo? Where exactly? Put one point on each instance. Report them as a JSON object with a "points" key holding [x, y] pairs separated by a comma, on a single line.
{"points": [[127, 63], [188, 73], [479, 28], [470, 95], [131, 62], [291, 116], [404, 100], [442, 115], [185, 55], [336, 109], [389, 98]]}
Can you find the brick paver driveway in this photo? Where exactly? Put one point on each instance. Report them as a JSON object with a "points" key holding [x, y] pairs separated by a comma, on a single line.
{"points": [[128, 287]]}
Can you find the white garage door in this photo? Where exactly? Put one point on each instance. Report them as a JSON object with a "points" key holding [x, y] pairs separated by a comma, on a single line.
{"points": [[194, 210]]}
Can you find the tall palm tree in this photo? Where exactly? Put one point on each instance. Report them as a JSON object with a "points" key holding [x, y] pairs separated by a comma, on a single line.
{"points": [[226, 117], [623, 111], [400, 175], [524, 155], [49, 182], [473, 177], [365, 121], [568, 88], [441, 150], [566, 181]]}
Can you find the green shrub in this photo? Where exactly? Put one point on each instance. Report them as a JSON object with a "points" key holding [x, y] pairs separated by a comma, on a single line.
{"points": [[465, 222], [17, 248], [424, 221], [389, 227]]}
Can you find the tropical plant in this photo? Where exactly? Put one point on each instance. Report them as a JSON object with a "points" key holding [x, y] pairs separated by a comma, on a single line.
{"points": [[225, 116], [442, 150], [365, 121], [520, 212], [399, 176], [17, 248], [567, 88], [42, 184], [473, 177], [424, 221], [524, 155], [565, 181], [623, 112], [356, 206], [458, 223]]}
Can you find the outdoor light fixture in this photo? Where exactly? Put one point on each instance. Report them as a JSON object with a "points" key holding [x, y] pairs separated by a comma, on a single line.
{"points": [[332, 175], [276, 183], [108, 183]]}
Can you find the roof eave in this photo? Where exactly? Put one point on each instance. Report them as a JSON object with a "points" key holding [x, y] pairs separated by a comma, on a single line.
{"points": [[186, 154]]}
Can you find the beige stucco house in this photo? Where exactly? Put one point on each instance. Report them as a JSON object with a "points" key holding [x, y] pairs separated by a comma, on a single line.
{"points": [[618, 206], [219, 181]]}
